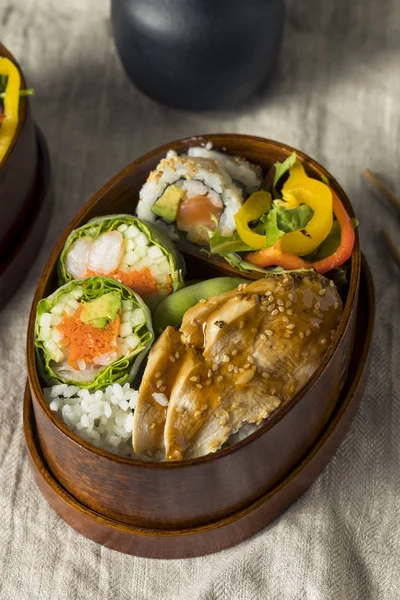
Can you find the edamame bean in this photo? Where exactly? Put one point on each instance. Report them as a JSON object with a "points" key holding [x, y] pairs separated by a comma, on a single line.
{"points": [[171, 310]]}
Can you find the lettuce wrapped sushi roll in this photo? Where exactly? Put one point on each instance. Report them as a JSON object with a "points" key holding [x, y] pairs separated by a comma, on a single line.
{"points": [[134, 253], [193, 193], [92, 332]]}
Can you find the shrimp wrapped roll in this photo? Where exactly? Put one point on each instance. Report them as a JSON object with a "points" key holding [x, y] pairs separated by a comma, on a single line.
{"points": [[134, 253], [193, 193], [92, 332]]}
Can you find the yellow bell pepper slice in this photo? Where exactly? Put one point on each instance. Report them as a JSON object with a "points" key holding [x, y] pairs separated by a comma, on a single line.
{"points": [[254, 207], [301, 189], [8, 126]]}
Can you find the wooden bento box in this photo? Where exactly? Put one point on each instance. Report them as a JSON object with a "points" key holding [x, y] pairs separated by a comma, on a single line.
{"points": [[171, 501], [25, 202]]}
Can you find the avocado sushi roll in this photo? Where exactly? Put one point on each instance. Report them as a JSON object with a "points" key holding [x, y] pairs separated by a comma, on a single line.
{"points": [[193, 194], [137, 254], [92, 332]]}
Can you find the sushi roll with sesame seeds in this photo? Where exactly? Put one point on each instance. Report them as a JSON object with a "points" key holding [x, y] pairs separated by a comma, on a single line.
{"points": [[194, 194], [244, 173], [92, 333], [137, 254]]}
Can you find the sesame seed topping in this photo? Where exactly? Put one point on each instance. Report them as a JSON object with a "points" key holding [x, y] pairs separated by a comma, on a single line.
{"points": [[285, 279], [159, 383], [172, 359], [177, 354], [163, 388], [322, 292], [152, 426], [209, 373], [280, 302], [265, 375], [289, 311], [219, 378], [197, 413], [291, 326], [241, 324], [202, 300], [199, 386], [285, 319], [269, 332], [215, 368], [157, 375], [225, 358], [241, 370], [250, 359], [281, 309], [323, 341], [230, 368], [263, 336], [234, 352], [271, 299], [288, 334], [246, 366], [288, 304], [317, 305], [271, 307], [291, 297], [235, 369], [274, 313], [308, 332], [208, 382], [331, 283], [264, 308], [179, 409], [268, 293], [254, 330], [193, 378], [301, 334]]}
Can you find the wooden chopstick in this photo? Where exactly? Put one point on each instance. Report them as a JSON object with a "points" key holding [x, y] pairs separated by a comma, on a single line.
{"points": [[383, 189], [391, 246]]}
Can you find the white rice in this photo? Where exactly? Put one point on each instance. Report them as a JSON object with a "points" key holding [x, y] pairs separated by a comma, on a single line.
{"points": [[240, 169], [104, 418]]}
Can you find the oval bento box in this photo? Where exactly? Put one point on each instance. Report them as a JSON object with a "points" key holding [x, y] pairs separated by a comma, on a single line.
{"points": [[24, 192], [203, 491]]}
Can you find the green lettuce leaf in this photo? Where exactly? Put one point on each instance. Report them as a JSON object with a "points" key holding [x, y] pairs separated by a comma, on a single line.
{"points": [[121, 370], [281, 168], [243, 265], [154, 234], [281, 220]]}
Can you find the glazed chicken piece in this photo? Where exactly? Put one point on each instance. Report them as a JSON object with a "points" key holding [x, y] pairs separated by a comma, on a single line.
{"points": [[245, 353], [157, 382]]}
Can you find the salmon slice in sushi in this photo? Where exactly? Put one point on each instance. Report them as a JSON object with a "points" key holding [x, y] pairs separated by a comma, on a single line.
{"points": [[193, 193], [137, 254], [92, 332]]}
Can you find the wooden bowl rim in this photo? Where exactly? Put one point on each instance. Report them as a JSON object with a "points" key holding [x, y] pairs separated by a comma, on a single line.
{"points": [[219, 140], [22, 108]]}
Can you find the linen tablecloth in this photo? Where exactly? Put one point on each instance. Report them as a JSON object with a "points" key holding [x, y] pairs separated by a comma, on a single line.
{"points": [[336, 96]]}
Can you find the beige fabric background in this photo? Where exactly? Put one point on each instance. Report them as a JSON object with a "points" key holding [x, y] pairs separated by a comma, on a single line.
{"points": [[336, 96]]}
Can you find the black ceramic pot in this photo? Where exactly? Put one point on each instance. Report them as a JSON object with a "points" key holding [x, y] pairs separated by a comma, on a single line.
{"points": [[198, 54]]}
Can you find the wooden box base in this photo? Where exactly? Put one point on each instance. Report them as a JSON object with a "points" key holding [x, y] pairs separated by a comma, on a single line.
{"points": [[242, 524]]}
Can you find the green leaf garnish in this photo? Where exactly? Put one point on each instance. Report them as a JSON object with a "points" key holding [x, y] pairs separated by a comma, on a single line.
{"points": [[281, 168]]}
